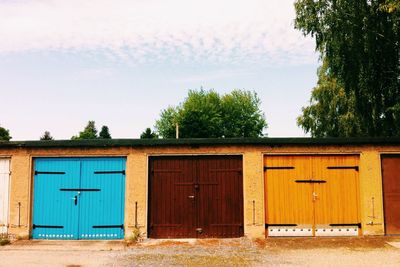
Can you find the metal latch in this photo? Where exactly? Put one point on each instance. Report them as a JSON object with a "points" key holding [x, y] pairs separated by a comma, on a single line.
{"points": [[199, 230], [192, 197]]}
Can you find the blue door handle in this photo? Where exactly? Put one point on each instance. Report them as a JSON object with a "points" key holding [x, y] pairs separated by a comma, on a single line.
{"points": [[75, 199]]}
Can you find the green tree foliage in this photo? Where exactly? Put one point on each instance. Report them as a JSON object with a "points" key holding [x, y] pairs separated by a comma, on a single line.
{"points": [[241, 114], [90, 132], [205, 114], [105, 133], [165, 126], [331, 112], [46, 136], [200, 115], [360, 41], [148, 134], [390, 6], [4, 134]]}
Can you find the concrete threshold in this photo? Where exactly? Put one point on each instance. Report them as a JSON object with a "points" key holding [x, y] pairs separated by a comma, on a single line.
{"points": [[66, 245]]}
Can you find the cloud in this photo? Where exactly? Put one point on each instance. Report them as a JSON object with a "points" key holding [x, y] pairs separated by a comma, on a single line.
{"points": [[158, 30], [212, 75]]}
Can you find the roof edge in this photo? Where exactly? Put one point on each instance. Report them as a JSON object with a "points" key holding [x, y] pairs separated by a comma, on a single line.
{"points": [[266, 141]]}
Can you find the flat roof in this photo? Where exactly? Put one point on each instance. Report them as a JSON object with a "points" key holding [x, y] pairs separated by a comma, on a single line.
{"points": [[196, 142]]}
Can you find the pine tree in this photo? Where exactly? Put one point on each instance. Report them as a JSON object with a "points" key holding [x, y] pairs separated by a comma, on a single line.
{"points": [[46, 136], [104, 133]]}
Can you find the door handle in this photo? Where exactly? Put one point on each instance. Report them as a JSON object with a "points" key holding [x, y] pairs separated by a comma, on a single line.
{"points": [[75, 199], [191, 197], [314, 196]]}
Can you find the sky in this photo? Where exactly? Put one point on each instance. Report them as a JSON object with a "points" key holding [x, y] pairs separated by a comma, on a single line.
{"points": [[120, 62]]}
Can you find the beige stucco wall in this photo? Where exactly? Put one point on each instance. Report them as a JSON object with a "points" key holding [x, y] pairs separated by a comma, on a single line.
{"points": [[253, 179]]}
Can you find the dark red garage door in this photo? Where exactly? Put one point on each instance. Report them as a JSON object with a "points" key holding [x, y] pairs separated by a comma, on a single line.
{"points": [[391, 193], [196, 197]]}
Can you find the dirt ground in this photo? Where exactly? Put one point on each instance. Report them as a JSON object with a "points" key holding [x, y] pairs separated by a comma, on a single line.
{"points": [[362, 251]]}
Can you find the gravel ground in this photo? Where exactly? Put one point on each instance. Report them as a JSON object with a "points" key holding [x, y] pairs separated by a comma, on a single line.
{"points": [[371, 251]]}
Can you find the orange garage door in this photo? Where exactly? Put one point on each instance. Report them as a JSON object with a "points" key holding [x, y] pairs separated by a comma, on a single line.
{"points": [[312, 195]]}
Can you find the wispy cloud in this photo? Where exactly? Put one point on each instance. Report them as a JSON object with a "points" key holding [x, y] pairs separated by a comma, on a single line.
{"points": [[157, 30]]}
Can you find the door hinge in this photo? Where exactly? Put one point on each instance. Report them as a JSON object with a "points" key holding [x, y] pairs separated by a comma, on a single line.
{"points": [[311, 181], [279, 224], [39, 172], [34, 226], [109, 226], [346, 224], [356, 168], [266, 168], [110, 172]]}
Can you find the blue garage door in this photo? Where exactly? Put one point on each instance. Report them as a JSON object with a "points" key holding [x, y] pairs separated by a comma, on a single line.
{"points": [[79, 198]]}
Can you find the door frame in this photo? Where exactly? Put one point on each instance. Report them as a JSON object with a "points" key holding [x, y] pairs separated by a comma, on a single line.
{"points": [[148, 172], [32, 158], [316, 154]]}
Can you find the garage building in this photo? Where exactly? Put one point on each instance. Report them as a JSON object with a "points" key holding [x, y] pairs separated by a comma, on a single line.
{"points": [[200, 188]]}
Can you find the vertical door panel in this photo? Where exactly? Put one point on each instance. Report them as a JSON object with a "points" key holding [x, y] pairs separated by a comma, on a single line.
{"points": [[101, 200], [172, 198], [391, 193], [337, 196], [4, 194], [55, 213], [220, 197], [288, 198]]}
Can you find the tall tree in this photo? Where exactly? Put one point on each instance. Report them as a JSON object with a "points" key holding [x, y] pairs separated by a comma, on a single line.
{"points": [[46, 136], [90, 132], [4, 134], [206, 114], [200, 115], [360, 40], [241, 114], [166, 125], [331, 113], [105, 133], [148, 134]]}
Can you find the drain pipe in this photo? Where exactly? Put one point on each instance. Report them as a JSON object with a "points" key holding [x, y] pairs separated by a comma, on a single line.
{"points": [[19, 214], [254, 212], [136, 221]]}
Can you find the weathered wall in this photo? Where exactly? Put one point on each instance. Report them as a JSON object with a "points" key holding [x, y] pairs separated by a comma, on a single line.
{"points": [[371, 197], [253, 177], [20, 195]]}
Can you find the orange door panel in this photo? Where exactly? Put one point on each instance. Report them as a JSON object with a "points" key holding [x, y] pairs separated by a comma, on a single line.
{"points": [[288, 203], [337, 197]]}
